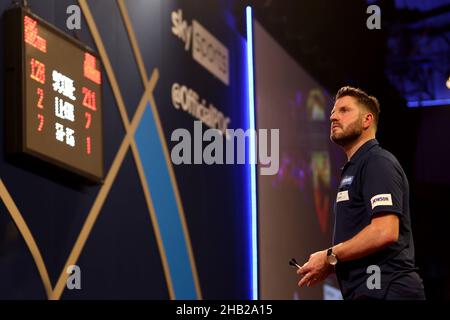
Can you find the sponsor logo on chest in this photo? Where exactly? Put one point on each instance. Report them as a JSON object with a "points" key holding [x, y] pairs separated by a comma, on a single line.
{"points": [[342, 196], [346, 181]]}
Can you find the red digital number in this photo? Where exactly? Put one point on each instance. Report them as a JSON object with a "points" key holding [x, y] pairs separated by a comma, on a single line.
{"points": [[40, 93], [41, 122], [88, 117], [89, 68], [37, 71], [88, 145], [31, 34], [89, 99]]}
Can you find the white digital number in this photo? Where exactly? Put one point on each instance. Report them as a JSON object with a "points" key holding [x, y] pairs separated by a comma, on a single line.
{"points": [[63, 85], [65, 134], [64, 109]]}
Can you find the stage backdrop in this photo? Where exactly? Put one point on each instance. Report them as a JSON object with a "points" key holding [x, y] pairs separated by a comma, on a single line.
{"points": [[152, 230], [295, 206]]}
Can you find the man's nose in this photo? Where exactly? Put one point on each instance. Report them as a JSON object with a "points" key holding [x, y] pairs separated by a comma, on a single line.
{"points": [[333, 117]]}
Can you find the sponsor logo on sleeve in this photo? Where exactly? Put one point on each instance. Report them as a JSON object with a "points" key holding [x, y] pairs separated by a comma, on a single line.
{"points": [[381, 200]]}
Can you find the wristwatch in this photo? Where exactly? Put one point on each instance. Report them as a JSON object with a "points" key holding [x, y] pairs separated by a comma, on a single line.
{"points": [[331, 257]]}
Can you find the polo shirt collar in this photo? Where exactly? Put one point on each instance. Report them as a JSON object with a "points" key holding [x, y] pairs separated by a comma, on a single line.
{"points": [[360, 152], [363, 149]]}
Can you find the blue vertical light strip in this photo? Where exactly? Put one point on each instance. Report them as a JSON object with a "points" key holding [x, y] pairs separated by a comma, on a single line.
{"points": [[251, 113]]}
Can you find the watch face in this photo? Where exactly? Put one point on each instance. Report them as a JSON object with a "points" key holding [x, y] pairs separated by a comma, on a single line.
{"points": [[332, 259]]}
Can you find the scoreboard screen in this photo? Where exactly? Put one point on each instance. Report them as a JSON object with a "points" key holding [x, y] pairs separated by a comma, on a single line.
{"points": [[54, 97]]}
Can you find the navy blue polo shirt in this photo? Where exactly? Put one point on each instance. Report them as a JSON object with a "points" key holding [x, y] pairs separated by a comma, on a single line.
{"points": [[372, 182]]}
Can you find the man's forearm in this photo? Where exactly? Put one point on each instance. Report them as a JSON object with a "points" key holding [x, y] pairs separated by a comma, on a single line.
{"points": [[369, 240]]}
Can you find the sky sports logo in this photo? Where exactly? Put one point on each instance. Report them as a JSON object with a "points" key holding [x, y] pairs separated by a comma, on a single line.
{"points": [[381, 200], [207, 50]]}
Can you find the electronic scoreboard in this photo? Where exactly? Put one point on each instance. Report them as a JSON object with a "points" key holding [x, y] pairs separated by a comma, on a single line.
{"points": [[53, 97]]}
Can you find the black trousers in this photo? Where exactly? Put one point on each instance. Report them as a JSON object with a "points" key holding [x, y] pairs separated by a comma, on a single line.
{"points": [[404, 287]]}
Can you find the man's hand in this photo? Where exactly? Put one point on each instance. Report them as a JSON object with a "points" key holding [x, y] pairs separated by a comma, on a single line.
{"points": [[315, 270]]}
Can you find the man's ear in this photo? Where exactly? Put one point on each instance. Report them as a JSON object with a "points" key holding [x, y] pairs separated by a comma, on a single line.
{"points": [[367, 120]]}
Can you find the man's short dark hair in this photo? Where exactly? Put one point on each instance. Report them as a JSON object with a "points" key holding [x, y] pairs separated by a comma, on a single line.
{"points": [[362, 98]]}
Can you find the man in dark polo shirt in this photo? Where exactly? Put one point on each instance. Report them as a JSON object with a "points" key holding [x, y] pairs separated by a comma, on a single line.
{"points": [[373, 248]]}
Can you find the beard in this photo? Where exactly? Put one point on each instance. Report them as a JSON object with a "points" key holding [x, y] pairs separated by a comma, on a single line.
{"points": [[349, 134]]}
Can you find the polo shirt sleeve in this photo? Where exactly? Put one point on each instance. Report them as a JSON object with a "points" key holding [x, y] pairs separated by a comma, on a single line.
{"points": [[382, 186]]}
